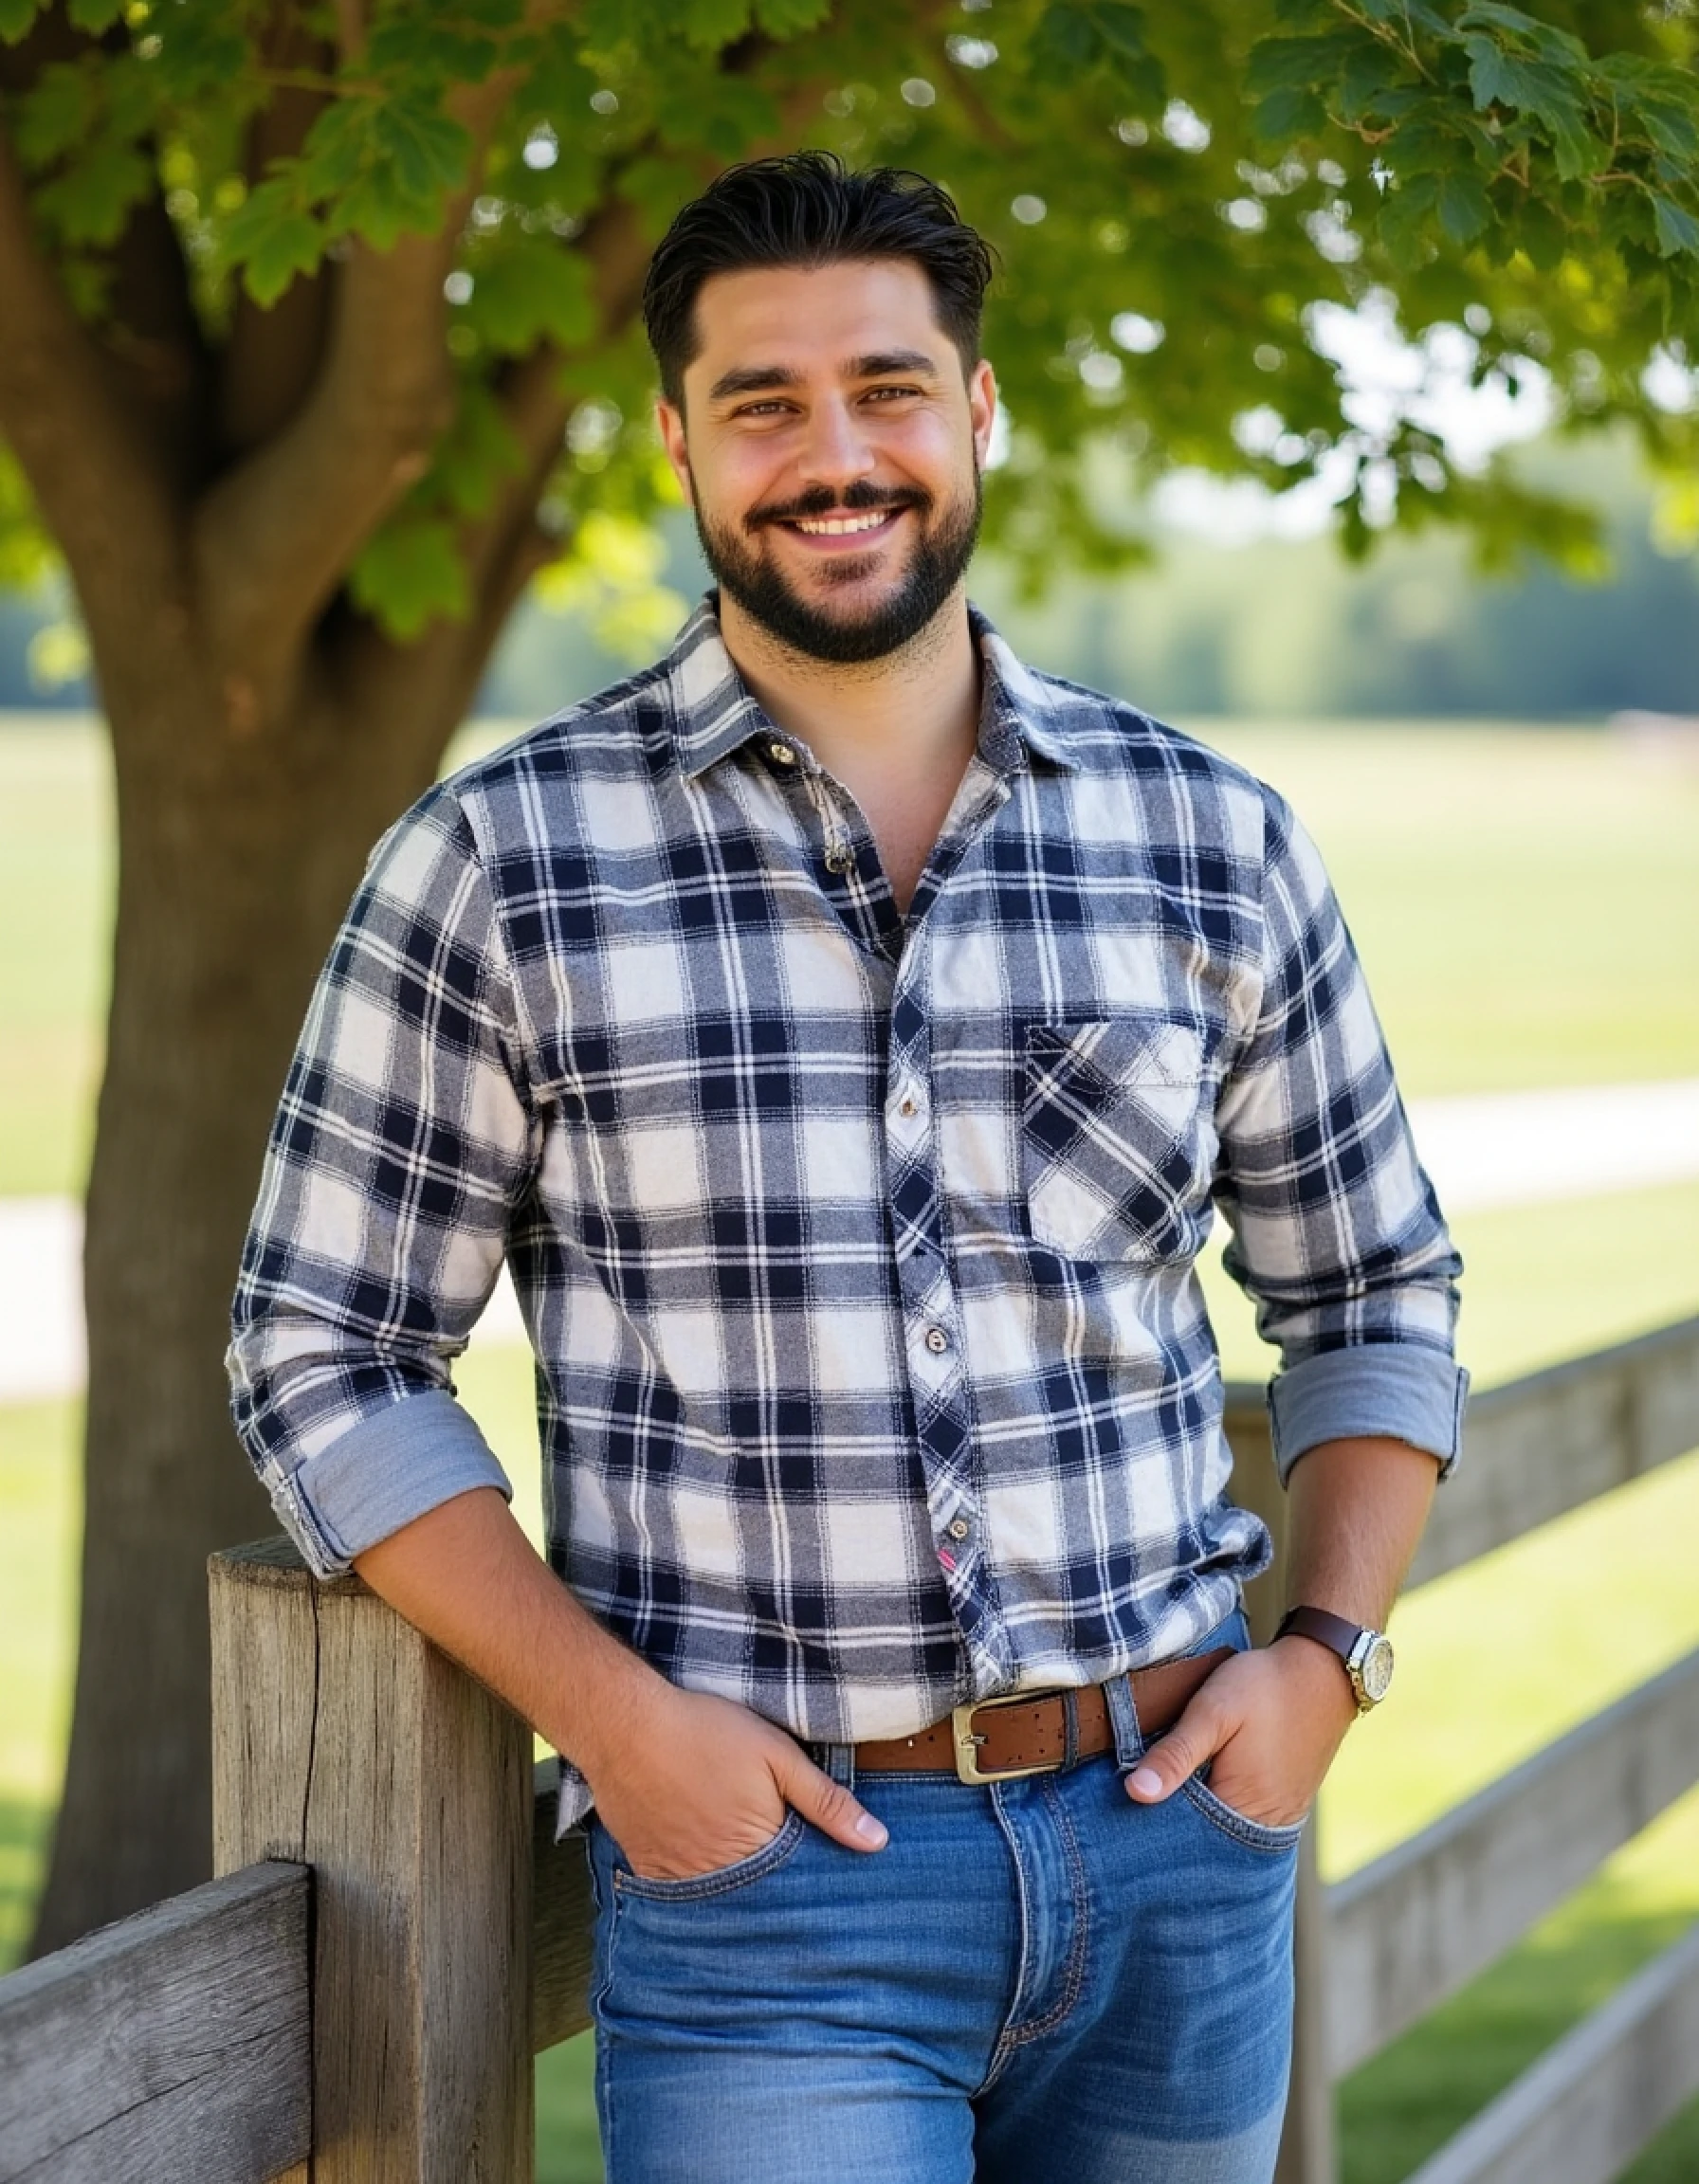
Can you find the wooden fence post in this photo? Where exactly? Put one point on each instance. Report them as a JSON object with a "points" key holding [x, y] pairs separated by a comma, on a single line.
{"points": [[1307, 2151], [342, 1739]]}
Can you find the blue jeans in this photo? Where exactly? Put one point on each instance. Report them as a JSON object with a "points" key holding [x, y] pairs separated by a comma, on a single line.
{"points": [[1036, 1983]]}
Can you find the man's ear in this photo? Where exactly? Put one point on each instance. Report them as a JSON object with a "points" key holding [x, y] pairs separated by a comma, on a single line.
{"points": [[670, 421], [982, 408]]}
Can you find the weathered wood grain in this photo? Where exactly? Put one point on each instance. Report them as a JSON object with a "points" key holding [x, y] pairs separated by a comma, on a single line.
{"points": [[174, 2044], [342, 1738], [1416, 1925], [1583, 2112]]}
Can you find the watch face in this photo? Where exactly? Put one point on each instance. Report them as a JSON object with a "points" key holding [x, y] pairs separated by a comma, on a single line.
{"points": [[1375, 1670]]}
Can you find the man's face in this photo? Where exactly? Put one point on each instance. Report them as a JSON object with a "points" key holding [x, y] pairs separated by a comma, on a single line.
{"points": [[833, 454]]}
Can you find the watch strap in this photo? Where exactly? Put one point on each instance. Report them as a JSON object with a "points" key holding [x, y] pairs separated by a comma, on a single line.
{"points": [[1334, 1632]]}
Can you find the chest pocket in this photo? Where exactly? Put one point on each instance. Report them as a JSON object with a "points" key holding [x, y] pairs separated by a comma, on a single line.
{"points": [[1117, 1141]]}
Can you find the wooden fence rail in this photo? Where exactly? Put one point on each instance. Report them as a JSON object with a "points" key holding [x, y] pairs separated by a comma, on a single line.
{"points": [[397, 1931], [169, 2046]]}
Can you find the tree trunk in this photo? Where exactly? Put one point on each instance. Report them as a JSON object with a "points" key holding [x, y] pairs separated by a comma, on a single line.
{"points": [[237, 856]]}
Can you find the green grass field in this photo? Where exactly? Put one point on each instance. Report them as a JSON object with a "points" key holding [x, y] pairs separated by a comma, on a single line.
{"points": [[1528, 906]]}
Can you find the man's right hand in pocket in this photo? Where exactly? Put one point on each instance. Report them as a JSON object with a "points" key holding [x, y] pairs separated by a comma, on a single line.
{"points": [[698, 1782]]}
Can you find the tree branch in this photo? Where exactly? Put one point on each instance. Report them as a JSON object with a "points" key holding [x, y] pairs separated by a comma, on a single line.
{"points": [[149, 339], [273, 539], [101, 487], [271, 357]]}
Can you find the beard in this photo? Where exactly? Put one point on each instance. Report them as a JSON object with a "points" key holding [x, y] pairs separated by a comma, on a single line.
{"points": [[755, 580]]}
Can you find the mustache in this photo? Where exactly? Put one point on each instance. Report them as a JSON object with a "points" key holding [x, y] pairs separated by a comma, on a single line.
{"points": [[819, 500]]}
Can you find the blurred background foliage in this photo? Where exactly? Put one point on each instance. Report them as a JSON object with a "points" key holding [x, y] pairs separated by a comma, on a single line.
{"points": [[1187, 204], [1268, 627]]}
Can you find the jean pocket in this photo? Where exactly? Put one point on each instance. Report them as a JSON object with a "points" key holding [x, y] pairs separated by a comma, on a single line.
{"points": [[721, 1880], [1116, 1140], [1252, 1835]]}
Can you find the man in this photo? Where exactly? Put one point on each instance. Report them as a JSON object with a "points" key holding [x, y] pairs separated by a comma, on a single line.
{"points": [[844, 1032]]}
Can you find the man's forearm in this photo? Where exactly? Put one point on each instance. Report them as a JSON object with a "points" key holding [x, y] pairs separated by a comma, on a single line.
{"points": [[466, 1575], [1357, 1512]]}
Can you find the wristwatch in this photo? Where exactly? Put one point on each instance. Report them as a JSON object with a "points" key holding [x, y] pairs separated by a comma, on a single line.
{"points": [[1368, 1655]]}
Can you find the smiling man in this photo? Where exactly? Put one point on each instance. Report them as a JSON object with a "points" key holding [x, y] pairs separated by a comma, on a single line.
{"points": [[847, 1036]]}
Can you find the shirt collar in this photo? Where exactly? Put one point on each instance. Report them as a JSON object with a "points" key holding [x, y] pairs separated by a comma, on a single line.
{"points": [[714, 712]]}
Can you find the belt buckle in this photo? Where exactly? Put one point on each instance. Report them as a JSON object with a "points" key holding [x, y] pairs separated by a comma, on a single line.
{"points": [[965, 1744]]}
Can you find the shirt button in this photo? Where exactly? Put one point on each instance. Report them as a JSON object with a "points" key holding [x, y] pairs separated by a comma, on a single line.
{"points": [[781, 755], [840, 860], [959, 1528], [937, 1340]]}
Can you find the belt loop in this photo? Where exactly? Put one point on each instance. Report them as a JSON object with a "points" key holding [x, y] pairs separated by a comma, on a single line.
{"points": [[838, 1760], [1070, 1731], [1124, 1723]]}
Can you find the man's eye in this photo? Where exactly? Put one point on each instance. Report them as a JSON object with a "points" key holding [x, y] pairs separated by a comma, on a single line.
{"points": [[879, 394]]}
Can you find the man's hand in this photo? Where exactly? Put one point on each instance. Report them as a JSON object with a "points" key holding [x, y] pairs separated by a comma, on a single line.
{"points": [[685, 1783], [1271, 1722], [699, 1782]]}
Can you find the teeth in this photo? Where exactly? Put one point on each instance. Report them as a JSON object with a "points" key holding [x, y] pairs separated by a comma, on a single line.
{"points": [[838, 526]]}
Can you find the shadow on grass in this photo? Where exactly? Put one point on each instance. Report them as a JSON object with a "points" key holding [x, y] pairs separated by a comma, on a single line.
{"points": [[1402, 2107], [25, 1827]]}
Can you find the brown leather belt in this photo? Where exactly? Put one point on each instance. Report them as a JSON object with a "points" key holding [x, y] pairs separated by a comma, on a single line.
{"points": [[1027, 1731]]}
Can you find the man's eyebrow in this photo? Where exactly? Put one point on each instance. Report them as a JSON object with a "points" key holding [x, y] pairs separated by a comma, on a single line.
{"points": [[887, 363], [753, 379], [764, 378]]}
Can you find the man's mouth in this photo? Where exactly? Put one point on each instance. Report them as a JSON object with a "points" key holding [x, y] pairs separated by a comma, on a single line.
{"points": [[843, 526]]}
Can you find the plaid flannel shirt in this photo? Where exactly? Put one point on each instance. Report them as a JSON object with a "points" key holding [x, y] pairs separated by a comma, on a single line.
{"points": [[858, 1251]]}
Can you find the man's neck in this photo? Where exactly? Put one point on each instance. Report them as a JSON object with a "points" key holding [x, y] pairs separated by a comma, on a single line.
{"points": [[911, 715]]}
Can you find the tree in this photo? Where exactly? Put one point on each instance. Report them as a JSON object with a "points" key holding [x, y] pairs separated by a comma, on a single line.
{"points": [[321, 340]]}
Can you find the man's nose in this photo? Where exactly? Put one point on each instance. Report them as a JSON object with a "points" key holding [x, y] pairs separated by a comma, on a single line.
{"points": [[835, 452]]}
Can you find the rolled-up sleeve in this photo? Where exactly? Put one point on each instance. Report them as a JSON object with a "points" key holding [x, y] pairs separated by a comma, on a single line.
{"points": [[402, 1141], [1336, 1230]]}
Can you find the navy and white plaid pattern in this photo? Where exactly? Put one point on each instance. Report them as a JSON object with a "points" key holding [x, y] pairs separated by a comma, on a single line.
{"points": [[857, 1252]]}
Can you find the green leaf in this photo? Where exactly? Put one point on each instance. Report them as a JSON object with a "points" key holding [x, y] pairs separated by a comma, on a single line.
{"points": [[1544, 39], [339, 147], [272, 238], [409, 573], [94, 15], [475, 454], [371, 208], [1677, 230], [204, 50], [15, 18], [526, 293], [1661, 103], [708, 24], [91, 202], [1295, 63], [431, 53], [788, 18], [1541, 235], [1464, 208], [1120, 29], [425, 149], [1289, 112], [1405, 216], [1064, 43], [1536, 87], [54, 113]]}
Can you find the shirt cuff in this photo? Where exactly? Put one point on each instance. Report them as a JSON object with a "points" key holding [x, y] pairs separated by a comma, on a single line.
{"points": [[1398, 1389], [390, 1468]]}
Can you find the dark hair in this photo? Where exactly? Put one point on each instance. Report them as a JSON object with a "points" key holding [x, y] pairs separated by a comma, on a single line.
{"points": [[807, 208]]}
